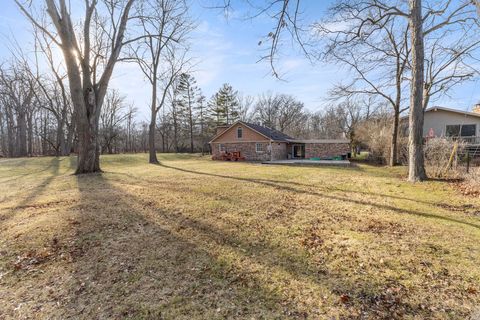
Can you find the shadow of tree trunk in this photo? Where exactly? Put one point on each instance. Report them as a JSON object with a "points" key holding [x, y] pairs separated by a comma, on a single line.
{"points": [[126, 264]]}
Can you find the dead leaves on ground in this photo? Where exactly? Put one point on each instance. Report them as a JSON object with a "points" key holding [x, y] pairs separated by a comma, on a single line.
{"points": [[33, 259]]}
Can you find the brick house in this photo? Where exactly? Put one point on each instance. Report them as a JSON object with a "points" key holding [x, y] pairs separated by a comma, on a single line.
{"points": [[259, 143]]}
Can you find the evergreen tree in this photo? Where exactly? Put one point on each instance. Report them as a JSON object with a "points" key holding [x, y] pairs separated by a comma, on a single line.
{"points": [[224, 107], [202, 120], [187, 97]]}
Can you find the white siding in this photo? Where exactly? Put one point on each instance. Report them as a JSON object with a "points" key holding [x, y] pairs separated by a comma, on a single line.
{"points": [[438, 120]]}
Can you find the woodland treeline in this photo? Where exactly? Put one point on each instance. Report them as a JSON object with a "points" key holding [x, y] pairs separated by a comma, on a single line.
{"points": [[36, 117], [39, 115], [401, 56]]}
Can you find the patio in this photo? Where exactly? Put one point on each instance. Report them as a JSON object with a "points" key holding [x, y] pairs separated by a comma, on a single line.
{"points": [[306, 162]]}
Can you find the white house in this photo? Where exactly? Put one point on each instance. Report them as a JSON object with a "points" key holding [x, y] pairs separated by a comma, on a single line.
{"points": [[446, 122]]}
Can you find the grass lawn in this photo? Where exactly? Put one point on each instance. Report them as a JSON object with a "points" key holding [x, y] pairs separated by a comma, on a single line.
{"points": [[197, 239]]}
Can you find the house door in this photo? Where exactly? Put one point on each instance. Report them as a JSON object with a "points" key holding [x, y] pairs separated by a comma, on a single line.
{"points": [[298, 151]]}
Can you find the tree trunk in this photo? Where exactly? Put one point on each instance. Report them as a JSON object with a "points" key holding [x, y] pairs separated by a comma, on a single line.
{"points": [[191, 132], [153, 120], [426, 95], [175, 132], [3, 145], [44, 134], [10, 132], [416, 166], [70, 136], [88, 159], [151, 141], [394, 142], [22, 134], [60, 138], [30, 134]]}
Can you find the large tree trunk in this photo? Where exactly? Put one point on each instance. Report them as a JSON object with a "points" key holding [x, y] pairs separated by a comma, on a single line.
{"points": [[416, 166], [87, 147]]}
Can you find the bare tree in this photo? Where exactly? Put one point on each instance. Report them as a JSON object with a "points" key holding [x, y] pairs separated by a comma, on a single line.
{"points": [[416, 169], [245, 105], [265, 109], [280, 111], [111, 118], [54, 92], [90, 53], [166, 24], [285, 14], [449, 60], [379, 63], [17, 91]]}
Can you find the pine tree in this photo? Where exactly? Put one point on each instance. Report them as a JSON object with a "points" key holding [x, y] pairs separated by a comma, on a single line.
{"points": [[202, 121], [187, 96], [224, 107]]}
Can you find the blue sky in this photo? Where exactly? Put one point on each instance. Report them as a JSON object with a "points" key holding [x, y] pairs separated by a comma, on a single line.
{"points": [[226, 50]]}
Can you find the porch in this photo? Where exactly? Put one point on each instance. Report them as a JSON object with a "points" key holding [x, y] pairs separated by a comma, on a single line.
{"points": [[326, 149]]}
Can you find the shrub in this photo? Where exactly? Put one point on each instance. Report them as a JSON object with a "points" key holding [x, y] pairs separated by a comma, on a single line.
{"points": [[471, 184], [376, 136], [442, 157]]}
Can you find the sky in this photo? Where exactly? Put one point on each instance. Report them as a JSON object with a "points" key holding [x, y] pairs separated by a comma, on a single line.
{"points": [[226, 50]]}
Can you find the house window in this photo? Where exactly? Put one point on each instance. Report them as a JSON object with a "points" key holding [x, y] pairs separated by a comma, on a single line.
{"points": [[453, 130], [239, 132], [259, 147], [221, 147], [465, 130], [469, 130]]}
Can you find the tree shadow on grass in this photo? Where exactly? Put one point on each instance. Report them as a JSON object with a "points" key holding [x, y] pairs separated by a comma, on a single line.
{"points": [[130, 258], [53, 169], [282, 186], [294, 183], [129, 261], [203, 238]]}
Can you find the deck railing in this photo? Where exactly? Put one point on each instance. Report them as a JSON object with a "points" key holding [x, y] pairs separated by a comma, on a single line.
{"points": [[467, 140]]}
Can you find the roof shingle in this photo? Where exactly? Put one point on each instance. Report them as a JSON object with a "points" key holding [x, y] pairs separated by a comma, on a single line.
{"points": [[268, 132]]}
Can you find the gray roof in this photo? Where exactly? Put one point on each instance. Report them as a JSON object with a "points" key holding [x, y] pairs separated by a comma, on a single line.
{"points": [[468, 113], [436, 108], [268, 132]]}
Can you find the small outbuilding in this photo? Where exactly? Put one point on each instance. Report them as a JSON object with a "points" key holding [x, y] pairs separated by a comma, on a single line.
{"points": [[259, 143]]}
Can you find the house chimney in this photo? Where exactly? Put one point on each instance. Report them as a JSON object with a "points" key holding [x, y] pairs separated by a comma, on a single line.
{"points": [[220, 129], [476, 108]]}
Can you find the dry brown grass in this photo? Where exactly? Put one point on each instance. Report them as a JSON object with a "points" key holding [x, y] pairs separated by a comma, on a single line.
{"points": [[196, 239]]}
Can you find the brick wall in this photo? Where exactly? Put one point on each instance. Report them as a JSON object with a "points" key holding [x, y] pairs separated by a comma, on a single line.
{"points": [[315, 150], [279, 151], [248, 150]]}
